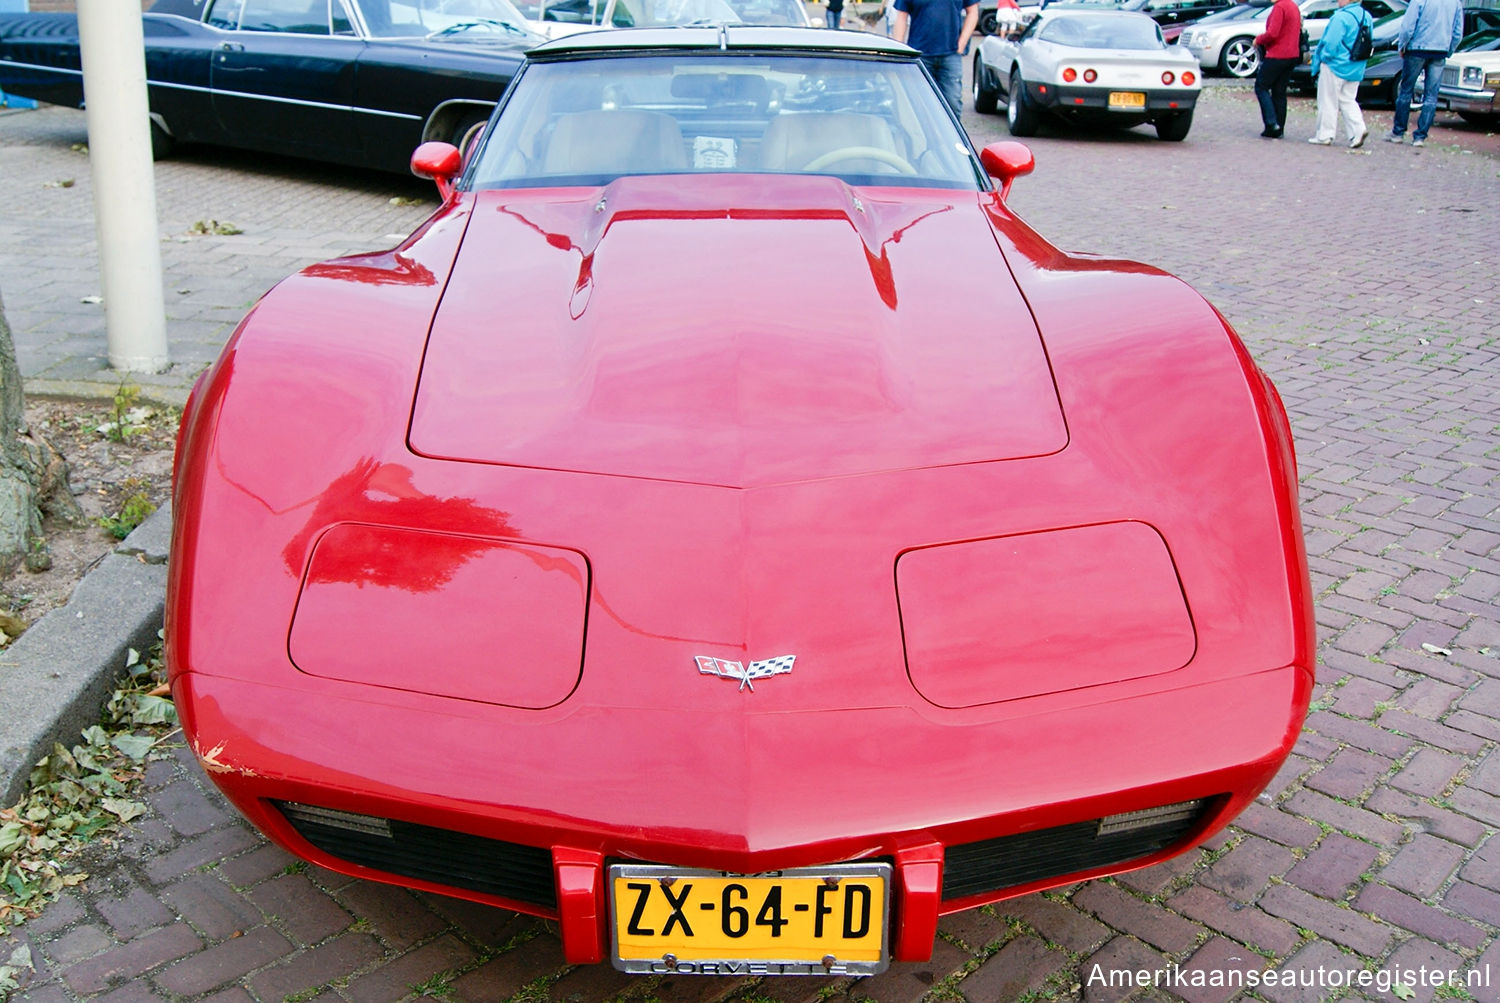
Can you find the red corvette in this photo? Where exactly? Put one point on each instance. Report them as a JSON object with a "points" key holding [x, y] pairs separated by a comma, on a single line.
{"points": [[726, 529]]}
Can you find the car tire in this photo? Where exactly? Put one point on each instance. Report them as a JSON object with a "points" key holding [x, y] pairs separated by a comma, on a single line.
{"points": [[1174, 128], [986, 96], [1020, 115], [468, 130], [161, 141], [1479, 118], [989, 22], [1239, 58]]}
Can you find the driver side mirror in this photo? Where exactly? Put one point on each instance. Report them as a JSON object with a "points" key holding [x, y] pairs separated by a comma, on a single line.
{"points": [[439, 161], [1004, 161]]}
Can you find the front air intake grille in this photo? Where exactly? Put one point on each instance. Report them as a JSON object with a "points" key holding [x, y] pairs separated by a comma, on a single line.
{"points": [[491, 866], [1009, 861]]}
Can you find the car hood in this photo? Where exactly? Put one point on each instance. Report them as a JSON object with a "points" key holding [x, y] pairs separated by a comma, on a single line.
{"points": [[706, 330]]}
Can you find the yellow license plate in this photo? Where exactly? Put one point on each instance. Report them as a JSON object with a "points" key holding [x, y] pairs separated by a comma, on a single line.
{"points": [[814, 921], [1127, 99]]}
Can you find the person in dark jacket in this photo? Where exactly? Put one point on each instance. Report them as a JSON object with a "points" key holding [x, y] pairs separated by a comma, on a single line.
{"points": [[835, 13], [1281, 45], [940, 30]]}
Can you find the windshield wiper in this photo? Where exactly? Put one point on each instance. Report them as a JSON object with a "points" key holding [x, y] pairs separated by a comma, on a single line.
{"points": [[482, 22]]}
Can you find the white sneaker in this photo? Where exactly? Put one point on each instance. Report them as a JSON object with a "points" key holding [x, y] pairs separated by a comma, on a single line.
{"points": [[1359, 140], [1320, 142], [1419, 142]]}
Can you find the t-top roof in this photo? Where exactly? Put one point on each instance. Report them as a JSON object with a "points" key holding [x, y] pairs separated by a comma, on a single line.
{"points": [[728, 37]]}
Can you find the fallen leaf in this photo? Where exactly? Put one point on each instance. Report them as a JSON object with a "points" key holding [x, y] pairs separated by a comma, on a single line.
{"points": [[92, 299], [134, 746], [60, 183], [1434, 649], [407, 200], [122, 809]]}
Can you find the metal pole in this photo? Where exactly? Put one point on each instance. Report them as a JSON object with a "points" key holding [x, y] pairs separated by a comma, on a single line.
{"points": [[114, 83]]}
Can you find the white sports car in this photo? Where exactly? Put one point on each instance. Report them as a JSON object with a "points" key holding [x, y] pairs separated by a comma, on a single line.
{"points": [[1103, 66]]}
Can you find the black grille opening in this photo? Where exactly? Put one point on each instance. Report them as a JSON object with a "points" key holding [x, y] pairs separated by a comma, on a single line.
{"points": [[1009, 861], [442, 856]]}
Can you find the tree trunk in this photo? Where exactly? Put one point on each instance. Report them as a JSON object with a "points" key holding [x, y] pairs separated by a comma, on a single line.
{"points": [[33, 476]]}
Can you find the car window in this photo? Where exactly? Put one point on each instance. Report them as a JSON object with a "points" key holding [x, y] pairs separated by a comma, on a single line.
{"points": [[587, 121], [770, 11], [1089, 31], [1320, 11], [562, 11], [226, 14], [411, 18], [299, 17], [665, 13]]}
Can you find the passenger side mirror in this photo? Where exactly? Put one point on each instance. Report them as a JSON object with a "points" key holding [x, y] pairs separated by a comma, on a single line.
{"points": [[1005, 161], [439, 161]]}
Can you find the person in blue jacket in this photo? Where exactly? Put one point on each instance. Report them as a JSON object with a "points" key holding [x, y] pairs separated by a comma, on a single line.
{"points": [[1430, 31], [1338, 74]]}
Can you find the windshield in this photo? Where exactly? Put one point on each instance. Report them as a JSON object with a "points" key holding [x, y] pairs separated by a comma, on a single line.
{"points": [[869, 121], [408, 18], [1103, 31], [1481, 41], [1244, 12], [770, 11]]}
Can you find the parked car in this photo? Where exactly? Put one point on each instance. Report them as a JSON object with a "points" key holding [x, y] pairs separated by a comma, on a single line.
{"points": [[556, 18], [1471, 79], [1226, 41], [353, 82], [738, 619], [989, 17], [1089, 65], [1382, 77]]}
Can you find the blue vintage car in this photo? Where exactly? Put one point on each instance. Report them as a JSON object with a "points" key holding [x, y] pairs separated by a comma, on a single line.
{"points": [[350, 81]]}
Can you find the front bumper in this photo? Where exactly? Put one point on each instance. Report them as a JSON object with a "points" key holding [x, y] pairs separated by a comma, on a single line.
{"points": [[969, 806], [1094, 99], [1477, 102]]}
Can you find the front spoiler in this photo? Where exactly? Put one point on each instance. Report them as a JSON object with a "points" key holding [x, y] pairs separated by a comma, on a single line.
{"points": [[262, 744]]}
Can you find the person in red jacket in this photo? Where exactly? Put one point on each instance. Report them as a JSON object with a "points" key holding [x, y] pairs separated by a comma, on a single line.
{"points": [[1281, 49]]}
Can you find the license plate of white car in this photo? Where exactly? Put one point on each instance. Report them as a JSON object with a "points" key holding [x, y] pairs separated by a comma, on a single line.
{"points": [[1127, 99]]}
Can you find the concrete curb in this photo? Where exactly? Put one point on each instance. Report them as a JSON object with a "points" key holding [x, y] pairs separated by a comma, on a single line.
{"points": [[55, 678]]}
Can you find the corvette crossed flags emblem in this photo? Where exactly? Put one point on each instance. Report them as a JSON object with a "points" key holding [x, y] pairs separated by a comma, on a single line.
{"points": [[725, 669]]}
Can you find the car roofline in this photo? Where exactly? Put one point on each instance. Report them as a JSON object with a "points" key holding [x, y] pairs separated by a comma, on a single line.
{"points": [[730, 37]]}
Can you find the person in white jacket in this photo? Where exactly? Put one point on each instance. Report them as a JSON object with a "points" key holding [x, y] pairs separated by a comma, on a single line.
{"points": [[1430, 31]]}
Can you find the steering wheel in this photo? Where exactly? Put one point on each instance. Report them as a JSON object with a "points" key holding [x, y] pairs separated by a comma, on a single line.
{"points": [[895, 160]]}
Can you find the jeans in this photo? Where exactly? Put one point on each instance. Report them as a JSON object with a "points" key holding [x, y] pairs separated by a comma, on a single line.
{"points": [[1270, 90], [947, 71], [1429, 63], [833, 17]]}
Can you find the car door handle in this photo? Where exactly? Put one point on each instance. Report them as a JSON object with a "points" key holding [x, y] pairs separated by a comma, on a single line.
{"points": [[231, 47]]}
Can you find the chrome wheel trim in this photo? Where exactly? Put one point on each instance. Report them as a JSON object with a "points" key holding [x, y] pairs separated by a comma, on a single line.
{"points": [[1240, 58]]}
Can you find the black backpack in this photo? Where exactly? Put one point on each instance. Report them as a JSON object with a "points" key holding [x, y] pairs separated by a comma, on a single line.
{"points": [[1363, 45]]}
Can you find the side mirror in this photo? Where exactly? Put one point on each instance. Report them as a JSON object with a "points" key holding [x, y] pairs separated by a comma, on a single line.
{"points": [[1004, 161], [441, 162]]}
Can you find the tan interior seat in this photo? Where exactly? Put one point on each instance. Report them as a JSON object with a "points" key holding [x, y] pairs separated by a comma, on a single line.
{"points": [[616, 141], [794, 140]]}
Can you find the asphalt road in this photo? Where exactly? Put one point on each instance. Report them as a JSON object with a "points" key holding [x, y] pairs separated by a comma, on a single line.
{"points": [[1363, 281]]}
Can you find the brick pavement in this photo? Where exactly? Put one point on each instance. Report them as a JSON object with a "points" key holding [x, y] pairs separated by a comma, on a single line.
{"points": [[1364, 282]]}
